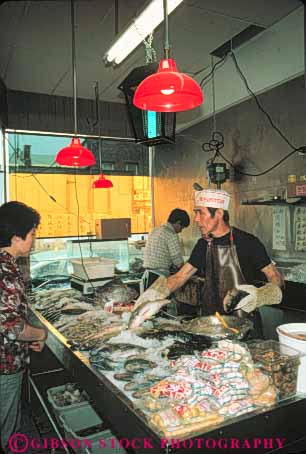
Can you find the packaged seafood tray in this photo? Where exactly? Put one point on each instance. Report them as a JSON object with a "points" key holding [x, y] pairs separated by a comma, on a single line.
{"points": [[64, 397], [87, 433], [95, 268], [280, 362]]}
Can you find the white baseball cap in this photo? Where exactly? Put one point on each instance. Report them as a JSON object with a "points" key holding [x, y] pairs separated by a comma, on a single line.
{"points": [[212, 198]]}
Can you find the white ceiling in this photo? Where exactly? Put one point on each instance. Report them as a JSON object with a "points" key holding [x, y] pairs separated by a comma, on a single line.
{"points": [[35, 37]]}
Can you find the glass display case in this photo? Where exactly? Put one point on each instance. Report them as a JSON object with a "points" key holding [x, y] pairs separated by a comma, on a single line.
{"points": [[52, 258], [112, 249], [136, 246], [49, 260]]}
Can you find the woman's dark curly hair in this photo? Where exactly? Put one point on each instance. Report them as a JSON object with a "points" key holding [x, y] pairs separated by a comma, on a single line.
{"points": [[16, 218]]}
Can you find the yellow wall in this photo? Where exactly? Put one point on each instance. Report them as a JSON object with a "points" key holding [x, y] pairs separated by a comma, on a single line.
{"points": [[130, 197], [177, 192]]}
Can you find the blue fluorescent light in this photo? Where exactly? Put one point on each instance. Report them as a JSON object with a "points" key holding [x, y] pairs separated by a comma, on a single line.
{"points": [[152, 131]]}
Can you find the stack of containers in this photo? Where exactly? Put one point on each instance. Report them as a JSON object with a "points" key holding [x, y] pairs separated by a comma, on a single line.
{"points": [[280, 362], [293, 335], [85, 432], [59, 410]]}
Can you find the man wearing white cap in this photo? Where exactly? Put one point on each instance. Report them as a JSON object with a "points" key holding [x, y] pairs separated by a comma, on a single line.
{"points": [[230, 259]]}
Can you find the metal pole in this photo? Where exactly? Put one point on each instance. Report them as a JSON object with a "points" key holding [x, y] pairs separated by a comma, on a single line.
{"points": [[166, 30], [213, 95], [74, 78], [6, 168], [116, 17], [99, 123], [151, 174]]}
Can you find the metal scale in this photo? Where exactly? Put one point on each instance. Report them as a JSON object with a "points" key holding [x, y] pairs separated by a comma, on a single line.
{"points": [[87, 286]]}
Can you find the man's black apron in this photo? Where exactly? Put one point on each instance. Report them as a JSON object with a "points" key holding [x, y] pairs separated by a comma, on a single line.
{"points": [[150, 276], [223, 273]]}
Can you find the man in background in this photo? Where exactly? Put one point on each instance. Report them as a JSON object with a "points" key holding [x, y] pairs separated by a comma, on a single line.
{"points": [[162, 253], [18, 223]]}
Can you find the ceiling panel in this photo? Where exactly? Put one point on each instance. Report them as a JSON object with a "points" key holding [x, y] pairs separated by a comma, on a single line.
{"points": [[259, 12], [35, 36]]}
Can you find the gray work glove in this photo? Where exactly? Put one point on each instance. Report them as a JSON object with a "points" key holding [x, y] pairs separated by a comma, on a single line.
{"points": [[145, 311], [157, 291], [257, 297]]}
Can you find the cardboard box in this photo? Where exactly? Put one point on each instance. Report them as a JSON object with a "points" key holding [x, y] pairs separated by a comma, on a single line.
{"points": [[113, 229], [297, 189]]}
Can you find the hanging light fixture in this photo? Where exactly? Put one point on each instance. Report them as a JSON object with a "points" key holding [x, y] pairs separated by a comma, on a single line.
{"points": [[140, 27], [101, 182], [75, 155], [168, 90]]}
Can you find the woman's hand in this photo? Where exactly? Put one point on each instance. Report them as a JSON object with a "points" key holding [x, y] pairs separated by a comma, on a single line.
{"points": [[37, 346]]}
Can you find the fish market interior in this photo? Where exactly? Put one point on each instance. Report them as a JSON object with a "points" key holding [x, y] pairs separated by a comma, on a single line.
{"points": [[152, 226]]}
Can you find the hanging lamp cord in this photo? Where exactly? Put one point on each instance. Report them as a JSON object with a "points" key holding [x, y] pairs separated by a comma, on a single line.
{"points": [[166, 31], [213, 97], [74, 78], [99, 123]]}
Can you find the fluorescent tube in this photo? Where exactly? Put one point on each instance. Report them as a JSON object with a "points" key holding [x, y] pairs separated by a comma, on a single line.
{"points": [[138, 30]]}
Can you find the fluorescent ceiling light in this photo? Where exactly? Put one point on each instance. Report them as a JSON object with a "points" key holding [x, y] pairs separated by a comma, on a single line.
{"points": [[138, 30]]}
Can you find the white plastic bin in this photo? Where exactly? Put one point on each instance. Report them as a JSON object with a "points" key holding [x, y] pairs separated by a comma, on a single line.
{"points": [[59, 410], [297, 344], [95, 268], [77, 420]]}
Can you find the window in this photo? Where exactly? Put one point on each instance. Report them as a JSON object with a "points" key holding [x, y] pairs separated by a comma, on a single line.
{"points": [[64, 197], [132, 167], [107, 166]]}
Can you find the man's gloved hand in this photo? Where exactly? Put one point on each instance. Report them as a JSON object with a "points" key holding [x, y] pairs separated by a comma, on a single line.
{"points": [[157, 291], [257, 297], [232, 298]]}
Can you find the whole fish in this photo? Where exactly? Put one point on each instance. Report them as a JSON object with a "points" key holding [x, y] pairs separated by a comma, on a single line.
{"points": [[116, 352], [124, 376], [137, 385], [140, 383], [115, 291], [111, 349], [140, 393], [106, 332], [145, 311], [77, 308], [137, 364]]}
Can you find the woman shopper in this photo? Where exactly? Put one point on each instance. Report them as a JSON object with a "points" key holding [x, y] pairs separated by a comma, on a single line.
{"points": [[18, 223]]}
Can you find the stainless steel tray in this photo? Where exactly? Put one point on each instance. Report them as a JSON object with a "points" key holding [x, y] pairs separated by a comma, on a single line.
{"points": [[212, 328]]}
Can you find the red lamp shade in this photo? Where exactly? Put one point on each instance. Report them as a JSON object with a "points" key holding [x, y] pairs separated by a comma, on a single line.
{"points": [[102, 182], [168, 90], [75, 155]]}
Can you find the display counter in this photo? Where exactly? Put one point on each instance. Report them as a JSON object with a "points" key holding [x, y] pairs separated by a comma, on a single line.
{"points": [[281, 428]]}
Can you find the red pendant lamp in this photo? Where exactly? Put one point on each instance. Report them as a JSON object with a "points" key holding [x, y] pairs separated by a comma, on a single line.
{"points": [[75, 155], [102, 183], [168, 90]]}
